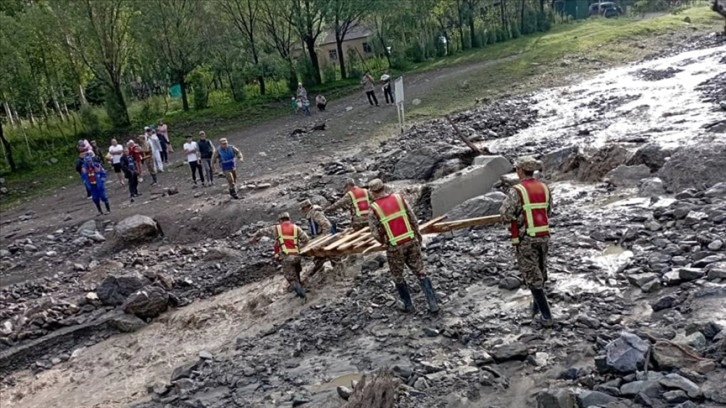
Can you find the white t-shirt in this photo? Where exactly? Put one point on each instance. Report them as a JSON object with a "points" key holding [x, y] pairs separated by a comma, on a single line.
{"points": [[118, 149], [191, 157]]}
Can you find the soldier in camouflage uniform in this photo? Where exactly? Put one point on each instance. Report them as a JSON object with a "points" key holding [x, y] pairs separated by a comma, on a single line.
{"points": [[289, 257], [526, 210], [359, 219], [394, 224], [319, 224]]}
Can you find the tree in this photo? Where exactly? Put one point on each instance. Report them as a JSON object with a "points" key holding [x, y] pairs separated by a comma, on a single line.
{"points": [[346, 15], [99, 32], [7, 150], [176, 30], [276, 18], [307, 17], [245, 16]]}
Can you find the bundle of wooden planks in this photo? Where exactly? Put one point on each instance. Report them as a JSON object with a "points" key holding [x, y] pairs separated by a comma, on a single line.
{"points": [[355, 242]]}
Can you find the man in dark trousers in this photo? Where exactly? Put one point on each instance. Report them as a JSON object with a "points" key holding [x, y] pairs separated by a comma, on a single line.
{"points": [[130, 169], [206, 150]]}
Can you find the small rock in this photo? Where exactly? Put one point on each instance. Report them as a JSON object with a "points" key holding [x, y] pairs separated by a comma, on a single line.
{"points": [[205, 355], [626, 354], [594, 399], [560, 398], [676, 381], [588, 321], [510, 283], [420, 384], [696, 340], [345, 392], [666, 302], [715, 245], [127, 323], [430, 332], [690, 274], [512, 351], [674, 397]]}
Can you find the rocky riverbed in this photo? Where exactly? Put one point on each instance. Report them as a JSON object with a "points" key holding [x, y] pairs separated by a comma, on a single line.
{"points": [[181, 312]]}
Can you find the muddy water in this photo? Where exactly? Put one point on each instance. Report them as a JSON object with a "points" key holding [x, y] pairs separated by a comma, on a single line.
{"points": [[629, 102]]}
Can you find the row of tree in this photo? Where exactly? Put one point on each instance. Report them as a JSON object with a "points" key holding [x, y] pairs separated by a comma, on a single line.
{"points": [[56, 55]]}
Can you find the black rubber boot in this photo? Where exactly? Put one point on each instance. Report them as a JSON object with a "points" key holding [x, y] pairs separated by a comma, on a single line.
{"points": [[108, 206], [540, 298], [233, 194], [153, 177], [299, 290], [405, 296], [428, 290], [98, 206]]}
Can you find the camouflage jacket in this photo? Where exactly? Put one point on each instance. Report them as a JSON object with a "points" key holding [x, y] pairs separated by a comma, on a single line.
{"points": [[315, 214]]}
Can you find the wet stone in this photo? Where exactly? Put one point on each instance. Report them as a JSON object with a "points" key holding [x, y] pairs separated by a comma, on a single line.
{"points": [[676, 381], [512, 351], [561, 398], [665, 302], [626, 353], [510, 283], [690, 274], [696, 340], [594, 398], [715, 245], [674, 397]]}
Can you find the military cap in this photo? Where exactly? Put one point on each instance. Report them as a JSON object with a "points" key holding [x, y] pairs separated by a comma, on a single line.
{"points": [[305, 203], [529, 163], [349, 182], [375, 185], [283, 215]]}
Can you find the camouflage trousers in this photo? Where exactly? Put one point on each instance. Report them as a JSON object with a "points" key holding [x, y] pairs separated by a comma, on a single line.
{"points": [[291, 268], [231, 176], [319, 264], [148, 161], [408, 254], [532, 261]]}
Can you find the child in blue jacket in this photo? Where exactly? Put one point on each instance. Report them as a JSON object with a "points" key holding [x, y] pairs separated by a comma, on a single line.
{"points": [[94, 177]]}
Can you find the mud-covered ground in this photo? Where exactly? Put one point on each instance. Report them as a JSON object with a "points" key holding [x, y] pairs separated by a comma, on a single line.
{"points": [[635, 157]]}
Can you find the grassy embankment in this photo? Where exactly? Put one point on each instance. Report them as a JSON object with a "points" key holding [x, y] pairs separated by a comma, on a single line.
{"points": [[556, 57], [515, 66]]}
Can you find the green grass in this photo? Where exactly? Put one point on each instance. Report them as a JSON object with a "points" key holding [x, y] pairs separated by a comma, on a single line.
{"points": [[535, 60], [515, 66]]}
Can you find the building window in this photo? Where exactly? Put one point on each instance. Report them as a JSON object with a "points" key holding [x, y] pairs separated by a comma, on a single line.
{"points": [[367, 48], [333, 55]]}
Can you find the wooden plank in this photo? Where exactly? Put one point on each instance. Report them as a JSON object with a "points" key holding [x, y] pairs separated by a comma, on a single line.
{"points": [[472, 222], [320, 241], [346, 239], [357, 241], [431, 222], [462, 137]]}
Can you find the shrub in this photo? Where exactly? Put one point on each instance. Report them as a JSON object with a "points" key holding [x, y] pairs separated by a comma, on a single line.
{"points": [[330, 74], [89, 120], [200, 79]]}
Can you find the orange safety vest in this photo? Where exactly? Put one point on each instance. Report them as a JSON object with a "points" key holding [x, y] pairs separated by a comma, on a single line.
{"points": [[391, 212], [535, 197], [286, 241], [361, 205]]}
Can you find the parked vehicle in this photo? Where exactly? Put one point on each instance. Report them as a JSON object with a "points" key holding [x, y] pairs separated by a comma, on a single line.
{"points": [[606, 9]]}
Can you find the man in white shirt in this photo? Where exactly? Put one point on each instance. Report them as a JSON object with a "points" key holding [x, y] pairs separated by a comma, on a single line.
{"points": [[155, 149], [116, 151], [191, 149]]}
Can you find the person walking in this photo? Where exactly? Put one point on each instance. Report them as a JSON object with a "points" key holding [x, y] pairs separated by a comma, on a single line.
{"points": [[163, 130], [526, 210], [155, 142], [130, 169], [227, 155], [319, 224], [301, 91], [387, 91], [116, 151], [369, 88], [206, 151], [147, 157], [288, 240], [356, 200], [393, 224], [321, 103], [191, 149], [135, 151], [94, 176]]}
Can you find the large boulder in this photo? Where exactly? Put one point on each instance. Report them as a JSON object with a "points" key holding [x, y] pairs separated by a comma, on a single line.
{"points": [[476, 180], [652, 155], [115, 289], [148, 302], [651, 187], [626, 354], [137, 228], [417, 165], [555, 161], [669, 355], [479, 206], [628, 176], [698, 165], [593, 167]]}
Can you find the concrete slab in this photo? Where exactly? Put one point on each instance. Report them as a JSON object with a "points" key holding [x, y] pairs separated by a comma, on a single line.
{"points": [[475, 180]]}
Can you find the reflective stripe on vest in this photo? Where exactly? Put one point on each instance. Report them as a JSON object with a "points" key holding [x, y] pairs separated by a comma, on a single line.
{"points": [[361, 205], [535, 202], [287, 238], [226, 157], [391, 212]]}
